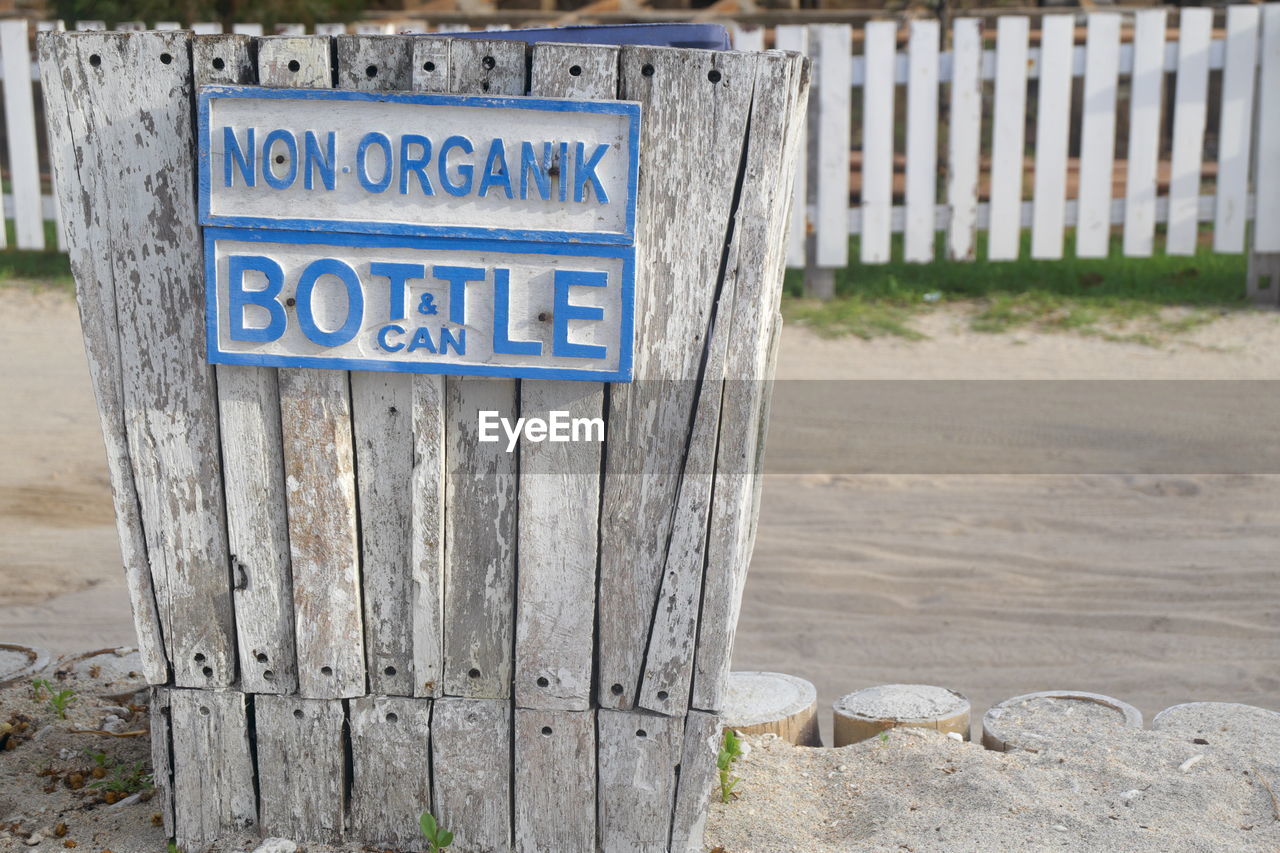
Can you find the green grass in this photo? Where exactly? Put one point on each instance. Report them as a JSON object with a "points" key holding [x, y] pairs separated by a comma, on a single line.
{"points": [[1143, 300], [49, 268]]}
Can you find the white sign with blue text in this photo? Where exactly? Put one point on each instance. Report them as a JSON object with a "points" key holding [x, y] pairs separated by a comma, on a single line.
{"points": [[421, 233]]}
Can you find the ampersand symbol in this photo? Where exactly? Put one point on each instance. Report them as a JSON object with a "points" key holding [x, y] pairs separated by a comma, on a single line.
{"points": [[427, 305]]}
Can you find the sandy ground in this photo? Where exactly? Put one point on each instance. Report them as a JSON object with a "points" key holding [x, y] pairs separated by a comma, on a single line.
{"points": [[1157, 588]]}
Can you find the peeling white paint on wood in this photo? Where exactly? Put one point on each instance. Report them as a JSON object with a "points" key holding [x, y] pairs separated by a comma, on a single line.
{"points": [[212, 766], [471, 771], [315, 412], [390, 770], [302, 771], [555, 781], [697, 775]]}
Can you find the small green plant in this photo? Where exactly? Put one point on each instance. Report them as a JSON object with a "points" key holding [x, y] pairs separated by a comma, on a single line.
{"points": [[174, 848], [124, 779], [730, 751], [58, 700], [437, 836], [884, 738]]}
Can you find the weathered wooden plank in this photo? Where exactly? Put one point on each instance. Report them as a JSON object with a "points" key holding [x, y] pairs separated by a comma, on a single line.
{"points": [[637, 755], [1235, 131], [559, 489], [685, 95], [302, 769], [390, 769], [1008, 133], [382, 406], [1266, 155], [430, 64], [481, 501], [471, 771], [315, 412], [1145, 96], [89, 254], [795, 37], [559, 745], [212, 767], [253, 466], [1191, 93], [697, 773], [964, 139], [922, 142], [877, 140], [137, 97], [777, 122], [158, 717], [1052, 135], [1097, 134], [20, 136]]}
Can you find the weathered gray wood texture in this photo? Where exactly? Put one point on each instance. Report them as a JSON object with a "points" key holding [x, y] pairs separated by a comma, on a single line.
{"points": [[560, 483], [319, 460], [302, 768], [697, 776], [390, 769], [382, 404], [212, 766], [128, 97], [77, 180], [471, 771], [481, 502], [637, 757], [555, 781], [253, 465]]}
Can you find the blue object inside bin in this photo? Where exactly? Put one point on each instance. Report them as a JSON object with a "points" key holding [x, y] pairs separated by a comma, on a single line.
{"points": [[705, 36]]}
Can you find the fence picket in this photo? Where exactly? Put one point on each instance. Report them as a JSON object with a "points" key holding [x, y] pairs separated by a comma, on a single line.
{"points": [[922, 141], [20, 131], [1145, 97], [834, 68], [1098, 135], [1266, 181], [965, 138], [1235, 129], [877, 140], [1057, 33], [1194, 29], [1007, 138], [796, 38]]}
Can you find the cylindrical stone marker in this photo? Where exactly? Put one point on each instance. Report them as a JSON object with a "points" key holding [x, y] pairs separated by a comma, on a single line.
{"points": [[772, 703], [866, 713], [1035, 720]]}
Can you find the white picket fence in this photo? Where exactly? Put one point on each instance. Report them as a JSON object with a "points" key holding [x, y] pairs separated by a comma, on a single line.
{"points": [[1124, 53], [1245, 186]]}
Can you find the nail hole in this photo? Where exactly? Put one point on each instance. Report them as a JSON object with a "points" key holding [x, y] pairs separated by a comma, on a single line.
{"points": [[199, 657], [95, 60], [641, 733], [647, 70], [392, 718], [542, 681], [488, 62], [297, 714], [294, 66], [474, 673], [208, 672], [261, 657], [543, 316], [391, 670], [371, 71], [662, 695], [394, 411], [166, 58], [713, 75], [616, 690], [428, 66], [484, 87], [218, 64], [471, 718], [279, 158], [546, 730], [326, 670], [575, 70], [291, 302], [268, 675], [204, 712]]}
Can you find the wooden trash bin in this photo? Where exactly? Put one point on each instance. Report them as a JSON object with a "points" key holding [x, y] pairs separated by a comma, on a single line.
{"points": [[352, 609]]}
